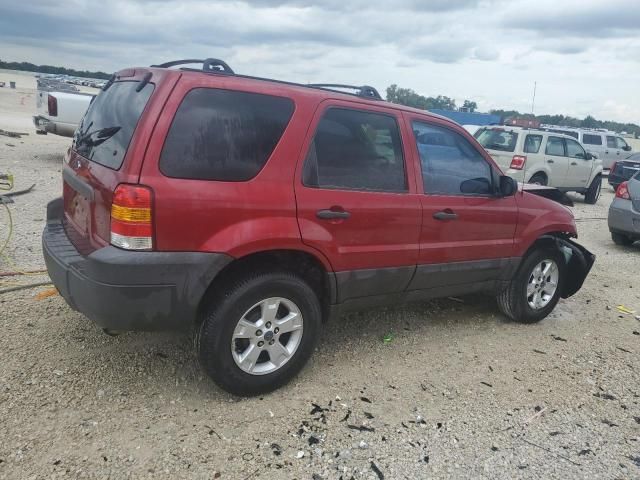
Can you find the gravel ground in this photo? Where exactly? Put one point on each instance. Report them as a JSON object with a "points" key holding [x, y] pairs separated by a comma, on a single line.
{"points": [[458, 393]]}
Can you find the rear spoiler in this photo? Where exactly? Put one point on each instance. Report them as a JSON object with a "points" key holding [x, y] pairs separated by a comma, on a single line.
{"points": [[551, 193]]}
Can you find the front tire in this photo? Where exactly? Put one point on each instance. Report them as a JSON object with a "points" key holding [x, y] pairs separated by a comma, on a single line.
{"points": [[593, 193], [259, 333], [620, 239], [535, 289]]}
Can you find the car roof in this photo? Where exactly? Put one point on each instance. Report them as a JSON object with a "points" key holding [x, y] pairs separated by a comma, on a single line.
{"points": [[533, 131]]}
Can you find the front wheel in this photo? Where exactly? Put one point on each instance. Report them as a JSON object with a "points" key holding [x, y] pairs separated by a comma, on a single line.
{"points": [[620, 239], [535, 289], [259, 333], [593, 192]]}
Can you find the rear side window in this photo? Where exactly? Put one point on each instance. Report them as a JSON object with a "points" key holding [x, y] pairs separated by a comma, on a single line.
{"points": [[450, 164], [356, 150], [223, 135], [532, 143], [106, 129], [497, 139], [555, 146], [588, 139]]}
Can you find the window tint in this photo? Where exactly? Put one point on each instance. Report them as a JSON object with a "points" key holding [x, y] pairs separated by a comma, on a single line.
{"points": [[575, 150], [611, 142], [555, 146], [620, 143], [356, 150], [532, 143], [106, 129], [223, 135], [588, 139], [450, 164], [497, 139]]}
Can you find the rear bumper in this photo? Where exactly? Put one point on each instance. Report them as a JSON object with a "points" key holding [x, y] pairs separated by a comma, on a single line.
{"points": [[45, 125], [623, 218], [123, 290]]}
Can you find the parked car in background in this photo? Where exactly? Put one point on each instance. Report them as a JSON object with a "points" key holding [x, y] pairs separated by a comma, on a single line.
{"points": [[608, 146], [59, 107], [253, 210], [624, 169], [544, 158], [624, 212]]}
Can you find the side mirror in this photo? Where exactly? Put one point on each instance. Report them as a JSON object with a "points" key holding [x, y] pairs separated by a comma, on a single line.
{"points": [[627, 148], [590, 156], [508, 186]]}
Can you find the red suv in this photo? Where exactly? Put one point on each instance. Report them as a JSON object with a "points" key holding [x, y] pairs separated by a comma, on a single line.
{"points": [[253, 210]]}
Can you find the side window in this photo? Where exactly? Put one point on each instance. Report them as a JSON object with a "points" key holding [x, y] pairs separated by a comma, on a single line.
{"points": [[223, 135], [356, 150], [611, 142], [588, 139], [450, 164], [621, 143], [575, 150], [532, 143], [555, 146]]}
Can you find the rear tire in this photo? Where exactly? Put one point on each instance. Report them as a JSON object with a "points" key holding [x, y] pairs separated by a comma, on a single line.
{"points": [[515, 300], [539, 179], [593, 193], [620, 239], [229, 333]]}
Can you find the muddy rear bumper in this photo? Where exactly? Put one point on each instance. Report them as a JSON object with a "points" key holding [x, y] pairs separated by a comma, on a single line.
{"points": [[123, 290]]}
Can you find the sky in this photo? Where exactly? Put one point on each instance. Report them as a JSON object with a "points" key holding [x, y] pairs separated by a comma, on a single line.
{"points": [[583, 54]]}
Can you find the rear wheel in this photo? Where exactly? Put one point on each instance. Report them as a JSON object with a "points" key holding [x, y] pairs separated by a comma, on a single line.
{"points": [[535, 289], [593, 192], [620, 239], [539, 179], [258, 334]]}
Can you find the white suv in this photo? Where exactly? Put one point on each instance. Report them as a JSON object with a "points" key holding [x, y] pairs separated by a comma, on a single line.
{"points": [[608, 146], [545, 158]]}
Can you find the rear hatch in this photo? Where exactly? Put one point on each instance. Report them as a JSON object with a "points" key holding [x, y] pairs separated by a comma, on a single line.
{"points": [[500, 143], [107, 150]]}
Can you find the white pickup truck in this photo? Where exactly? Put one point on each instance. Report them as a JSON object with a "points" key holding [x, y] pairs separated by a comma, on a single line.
{"points": [[59, 108]]}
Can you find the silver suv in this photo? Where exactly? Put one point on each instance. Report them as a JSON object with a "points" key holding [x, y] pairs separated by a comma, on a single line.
{"points": [[545, 158]]}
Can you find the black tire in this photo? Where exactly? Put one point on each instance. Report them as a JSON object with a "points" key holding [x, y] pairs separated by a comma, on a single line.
{"points": [[513, 301], [593, 192], [620, 239], [539, 179], [213, 338]]}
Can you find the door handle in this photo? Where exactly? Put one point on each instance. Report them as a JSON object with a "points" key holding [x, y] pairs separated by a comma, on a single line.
{"points": [[445, 216], [332, 214], [574, 163], [550, 161]]}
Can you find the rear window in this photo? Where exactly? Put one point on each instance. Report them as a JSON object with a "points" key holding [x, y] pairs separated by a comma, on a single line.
{"points": [[106, 129], [223, 135], [591, 139], [497, 139]]}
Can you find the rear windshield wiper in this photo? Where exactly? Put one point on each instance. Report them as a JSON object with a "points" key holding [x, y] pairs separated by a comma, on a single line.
{"points": [[101, 136]]}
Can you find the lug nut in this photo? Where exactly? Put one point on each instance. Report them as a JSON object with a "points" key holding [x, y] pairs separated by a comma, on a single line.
{"points": [[268, 325], [258, 333], [272, 342], [260, 343], [276, 330]]}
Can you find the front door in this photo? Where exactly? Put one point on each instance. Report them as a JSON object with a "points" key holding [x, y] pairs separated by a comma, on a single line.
{"points": [[555, 157], [579, 170], [467, 234], [356, 198]]}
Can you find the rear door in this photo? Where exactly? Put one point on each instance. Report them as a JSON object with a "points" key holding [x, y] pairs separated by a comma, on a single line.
{"points": [[356, 198], [555, 157], [579, 171], [467, 234]]}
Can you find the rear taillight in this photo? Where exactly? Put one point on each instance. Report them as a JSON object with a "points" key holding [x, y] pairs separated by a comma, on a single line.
{"points": [[52, 105], [517, 162], [623, 191], [131, 217]]}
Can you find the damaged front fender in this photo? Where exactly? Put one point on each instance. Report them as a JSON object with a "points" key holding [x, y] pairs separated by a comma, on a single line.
{"points": [[579, 263]]}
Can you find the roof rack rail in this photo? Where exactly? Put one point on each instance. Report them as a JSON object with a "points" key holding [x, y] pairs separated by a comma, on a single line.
{"points": [[360, 91], [208, 65]]}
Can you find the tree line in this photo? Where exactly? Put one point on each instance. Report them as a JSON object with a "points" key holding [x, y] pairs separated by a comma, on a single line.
{"points": [[406, 96], [30, 67]]}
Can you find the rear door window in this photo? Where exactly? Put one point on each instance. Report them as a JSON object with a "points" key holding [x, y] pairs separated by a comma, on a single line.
{"points": [[106, 129], [589, 139], [356, 150], [555, 146], [497, 139], [450, 164], [223, 135], [532, 143]]}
